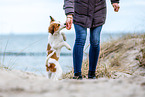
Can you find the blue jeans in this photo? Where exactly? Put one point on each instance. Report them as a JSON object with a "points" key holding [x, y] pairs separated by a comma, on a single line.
{"points": [[94, 50]]}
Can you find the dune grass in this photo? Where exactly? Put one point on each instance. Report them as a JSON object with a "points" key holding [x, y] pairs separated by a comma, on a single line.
{"points": [[141, 58], [123, 56], [2, 66]]}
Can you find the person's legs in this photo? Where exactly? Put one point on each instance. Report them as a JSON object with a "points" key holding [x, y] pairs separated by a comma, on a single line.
{"points": [[94, 50], [81, 34]]}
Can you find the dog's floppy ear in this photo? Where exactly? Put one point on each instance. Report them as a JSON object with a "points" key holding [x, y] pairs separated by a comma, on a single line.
{"points": [[52, 19], [51, 29]]}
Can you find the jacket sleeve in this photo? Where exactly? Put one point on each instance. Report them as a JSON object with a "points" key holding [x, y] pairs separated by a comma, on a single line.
{"points": [[114, 1], [68, 7]]}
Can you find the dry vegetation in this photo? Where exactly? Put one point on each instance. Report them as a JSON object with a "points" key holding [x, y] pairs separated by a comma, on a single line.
{"points": [[123, 57], [3, 66]]}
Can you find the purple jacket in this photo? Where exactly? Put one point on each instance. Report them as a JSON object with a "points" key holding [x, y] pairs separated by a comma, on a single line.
{"points": [[87, 13]]}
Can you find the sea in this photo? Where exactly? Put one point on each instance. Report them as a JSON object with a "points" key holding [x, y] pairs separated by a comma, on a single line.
{"points": [[28, 52]]}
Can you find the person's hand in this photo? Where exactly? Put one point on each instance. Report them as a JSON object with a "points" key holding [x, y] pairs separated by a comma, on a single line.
{"points": [[69, 22], [116, 7]]}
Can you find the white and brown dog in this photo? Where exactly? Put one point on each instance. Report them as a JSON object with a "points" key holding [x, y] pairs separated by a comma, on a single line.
{"points": [[56, 40]]}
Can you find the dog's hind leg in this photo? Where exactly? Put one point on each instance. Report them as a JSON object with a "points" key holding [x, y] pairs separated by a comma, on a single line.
{"points": [[54, 76], [49, 75]]}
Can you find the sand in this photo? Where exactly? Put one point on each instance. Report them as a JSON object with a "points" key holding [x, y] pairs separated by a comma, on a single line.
{"points": [[23, 84]]}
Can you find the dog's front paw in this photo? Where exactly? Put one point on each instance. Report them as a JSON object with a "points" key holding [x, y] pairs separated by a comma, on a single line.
{"points": [[69, 48]]}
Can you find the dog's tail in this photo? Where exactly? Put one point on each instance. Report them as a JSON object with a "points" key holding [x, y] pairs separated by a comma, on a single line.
{"points": [[49, 57]]}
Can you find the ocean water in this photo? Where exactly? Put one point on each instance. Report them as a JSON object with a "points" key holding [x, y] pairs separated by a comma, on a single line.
{"points": [[28, 52]]}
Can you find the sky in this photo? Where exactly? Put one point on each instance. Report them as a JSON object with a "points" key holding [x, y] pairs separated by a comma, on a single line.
{"points": [[32, 16]]}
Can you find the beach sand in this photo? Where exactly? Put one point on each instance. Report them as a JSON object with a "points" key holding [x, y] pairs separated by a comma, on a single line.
{"points": [[23, 84]]}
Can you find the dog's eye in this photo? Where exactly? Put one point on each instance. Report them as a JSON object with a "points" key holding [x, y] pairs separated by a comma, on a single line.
{"points": [[58, 25]]}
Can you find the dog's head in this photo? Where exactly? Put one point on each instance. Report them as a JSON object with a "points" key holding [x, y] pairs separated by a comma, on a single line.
{"points": [[55, 26]]}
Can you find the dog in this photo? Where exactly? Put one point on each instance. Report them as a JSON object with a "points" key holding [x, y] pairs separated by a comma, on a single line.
{"points": [[56, 40]]}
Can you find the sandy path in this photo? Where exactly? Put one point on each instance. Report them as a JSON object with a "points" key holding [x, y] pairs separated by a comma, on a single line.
{"points": [[22, 84]]}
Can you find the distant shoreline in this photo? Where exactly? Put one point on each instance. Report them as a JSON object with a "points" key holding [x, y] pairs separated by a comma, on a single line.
{"points": [[29, 54]]}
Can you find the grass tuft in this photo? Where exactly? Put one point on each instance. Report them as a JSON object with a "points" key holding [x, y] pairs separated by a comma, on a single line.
{"points": [[141, 58], [103, 71], [115, 61]]}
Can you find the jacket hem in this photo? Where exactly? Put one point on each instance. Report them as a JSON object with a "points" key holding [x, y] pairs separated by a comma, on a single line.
{"points": [[88, 26]]}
